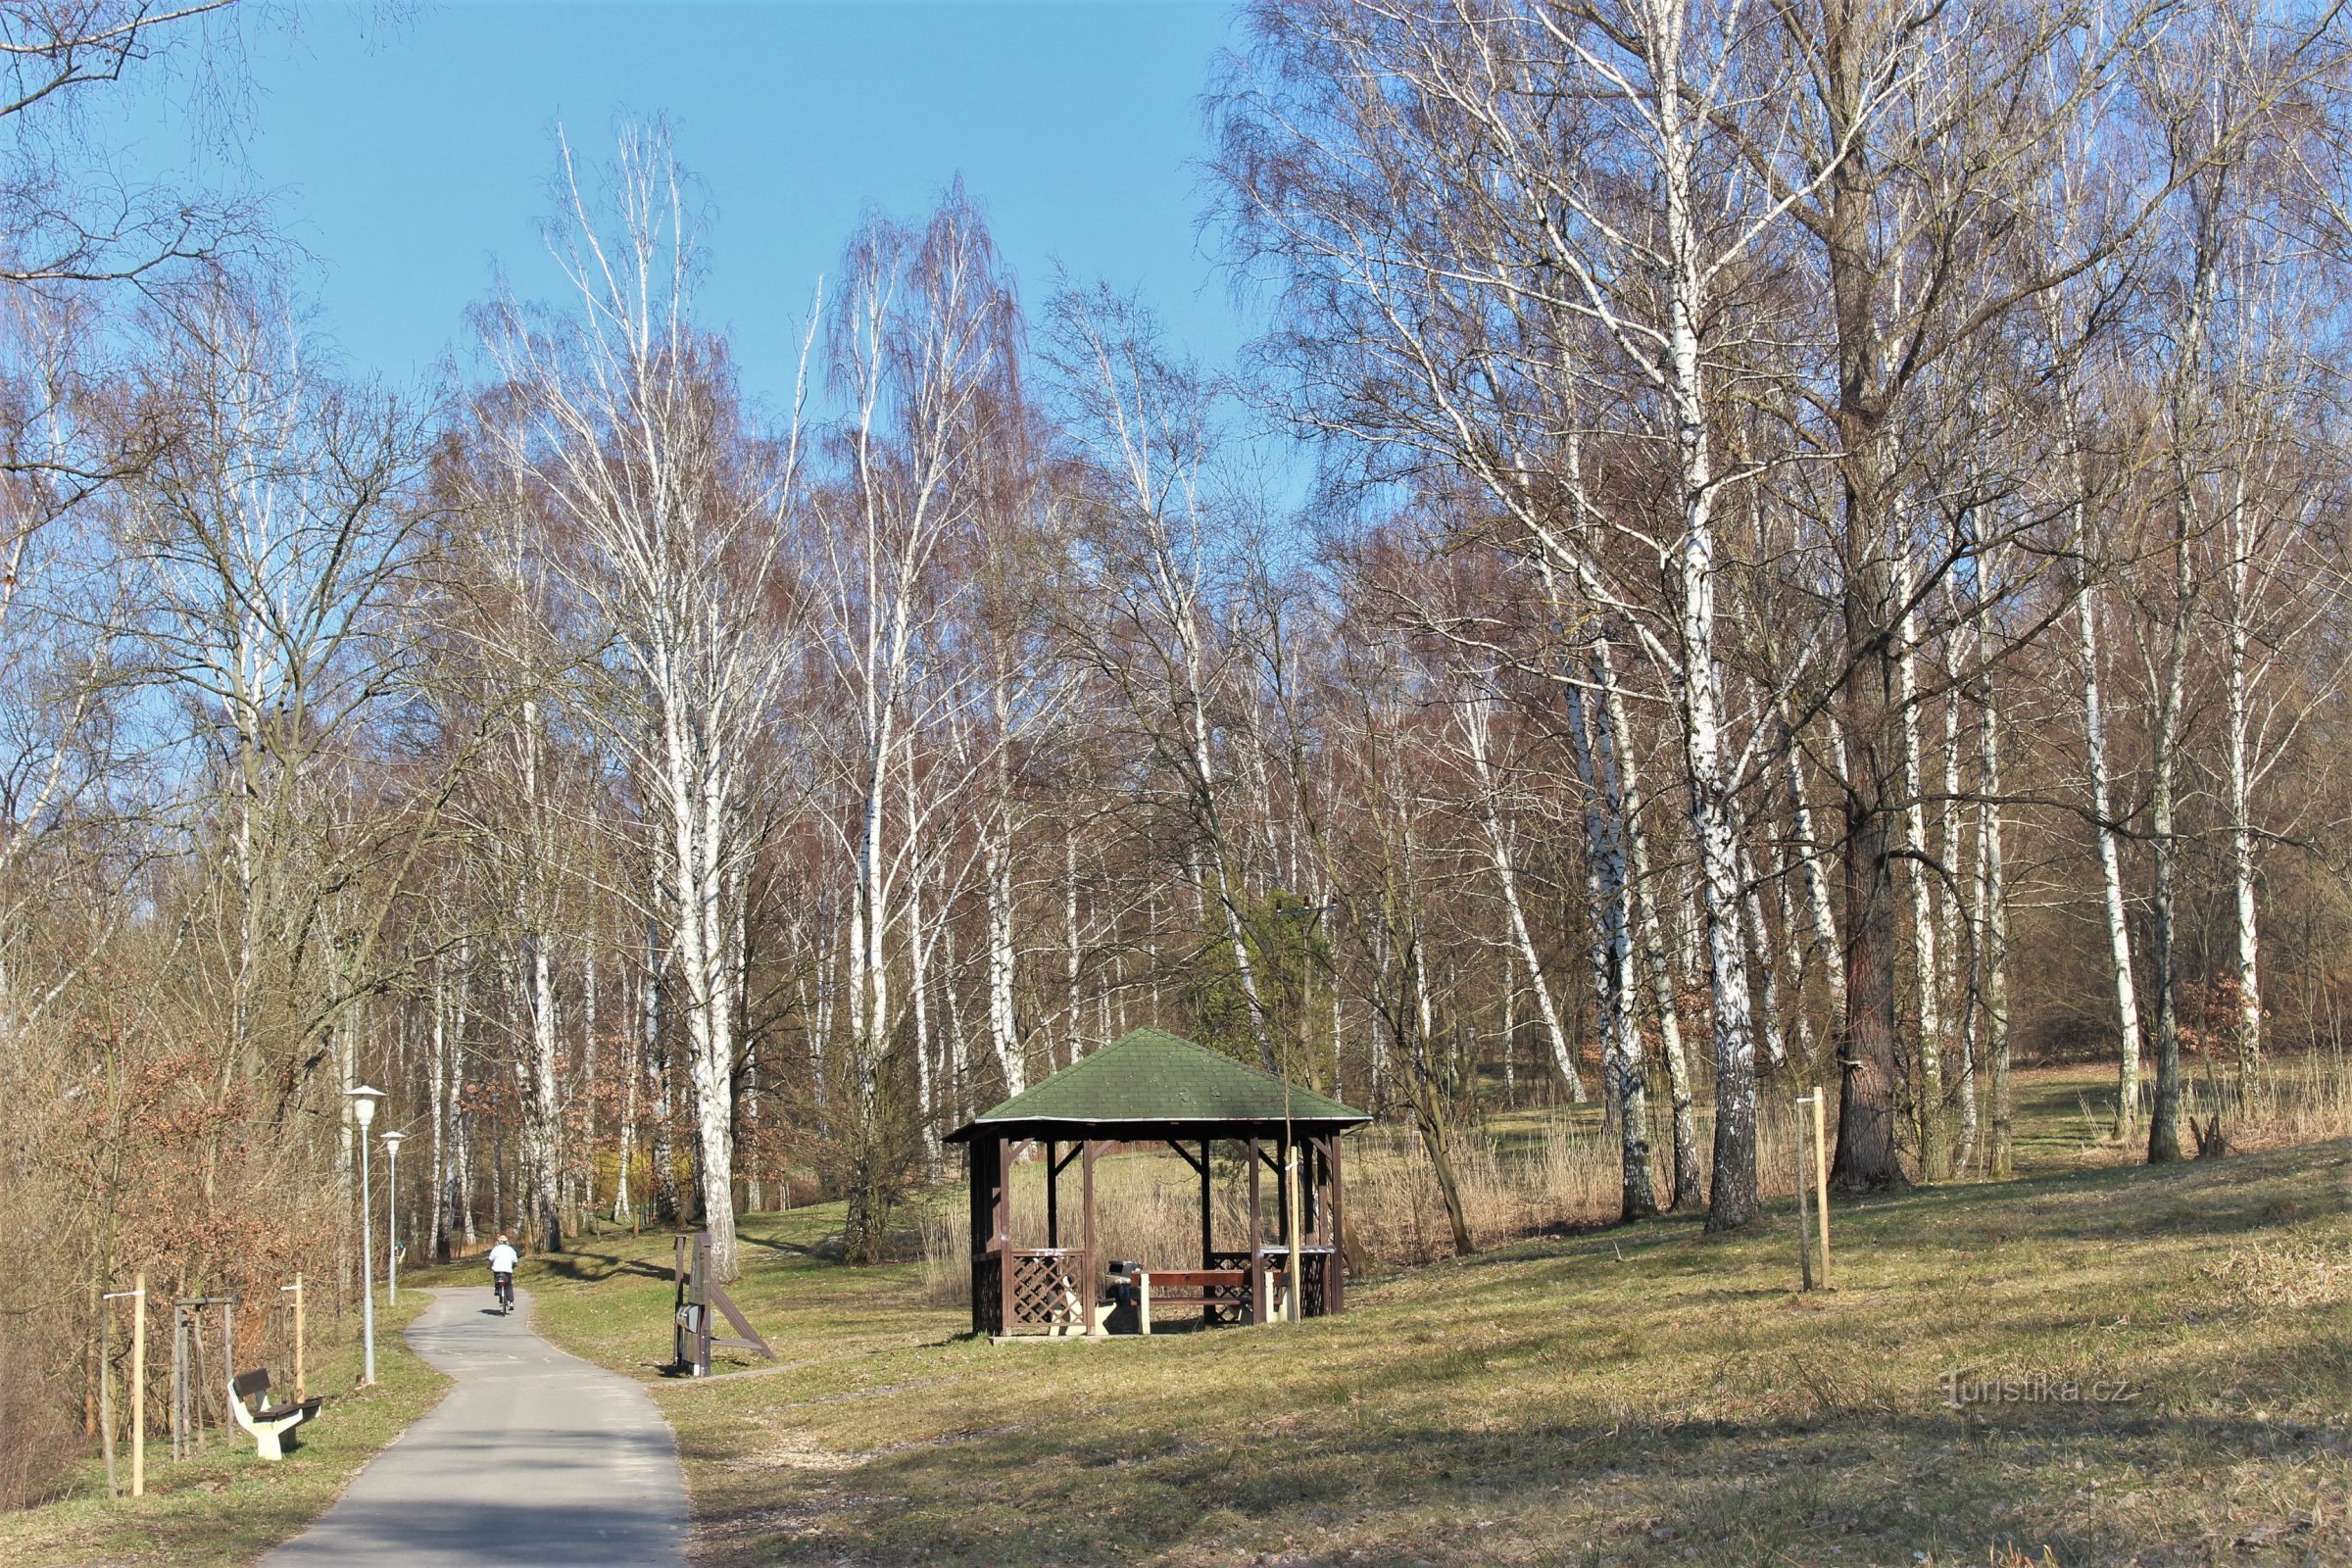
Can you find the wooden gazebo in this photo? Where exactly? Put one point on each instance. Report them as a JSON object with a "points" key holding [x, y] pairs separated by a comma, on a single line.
{"points": [[1149, 1086]]}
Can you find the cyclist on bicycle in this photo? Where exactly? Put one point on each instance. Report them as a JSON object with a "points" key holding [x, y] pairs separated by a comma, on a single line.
{"points": [[502, 1274]]}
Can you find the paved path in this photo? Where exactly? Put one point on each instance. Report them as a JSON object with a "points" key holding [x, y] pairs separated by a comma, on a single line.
{"points": [[535, 1457]]}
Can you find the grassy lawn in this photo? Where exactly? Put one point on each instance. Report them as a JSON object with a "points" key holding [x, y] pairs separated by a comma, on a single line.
{"points": [[1640, 1396], [224, 1506]]}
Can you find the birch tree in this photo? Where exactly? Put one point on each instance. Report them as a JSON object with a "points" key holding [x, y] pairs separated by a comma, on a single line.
{"points": [[1503, 229], [673, 524], [922, 344]]}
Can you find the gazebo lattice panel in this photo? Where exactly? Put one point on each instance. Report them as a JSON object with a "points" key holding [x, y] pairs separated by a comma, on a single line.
{"points": [[1052, 1288]]}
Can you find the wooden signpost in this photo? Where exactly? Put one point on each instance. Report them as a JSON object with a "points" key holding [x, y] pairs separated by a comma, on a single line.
{"points": [[698, 1294]]}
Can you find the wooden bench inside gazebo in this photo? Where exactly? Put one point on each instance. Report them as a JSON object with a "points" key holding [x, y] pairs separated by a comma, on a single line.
{"points": [[1150, 1087]]}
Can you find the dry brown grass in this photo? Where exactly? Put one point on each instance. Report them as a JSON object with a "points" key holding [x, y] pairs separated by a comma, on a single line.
{"points": [[1651, 1396], [2300, 1099], [1554, 1170], [1526, 1173]]}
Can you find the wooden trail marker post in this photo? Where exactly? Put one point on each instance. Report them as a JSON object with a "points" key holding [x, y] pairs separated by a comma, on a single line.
{"points": [[1821, 1180], [300, 1393], [138, 1384], [137, 1297], [1804, 1219], [182, 1357]]}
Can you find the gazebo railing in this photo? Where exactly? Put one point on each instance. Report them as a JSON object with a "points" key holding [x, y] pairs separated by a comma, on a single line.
{"points": [[1316, 1265], [1052, 1289]]}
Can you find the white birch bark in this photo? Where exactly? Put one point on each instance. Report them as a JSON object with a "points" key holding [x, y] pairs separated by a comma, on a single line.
{"points": [[1474, 714], [1993, 925], [624, 1206], [437, 1109], [1609, 894], [1649, 930], [2111, 864], [2240, 784], [1934, 1155], [635, 442]]}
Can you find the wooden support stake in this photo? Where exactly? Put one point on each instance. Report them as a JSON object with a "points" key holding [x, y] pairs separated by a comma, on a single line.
{"points": [[1821, 1179], [179, 1383], [1804, 1199], [138, 1384], [300, 1393], [1334, 1279]]}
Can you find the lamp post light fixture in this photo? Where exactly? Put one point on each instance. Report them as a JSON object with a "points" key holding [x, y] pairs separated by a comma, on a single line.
{"points": [[362, 1111], [392, 1214]]}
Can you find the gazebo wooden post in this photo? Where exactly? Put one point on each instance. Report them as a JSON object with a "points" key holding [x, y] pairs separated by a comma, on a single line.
{"points": [[1053, 1194], [1334, 1279], [1208, 1228], [1258, 1243], [1090, 1270], [1002, 1225], [984, 1177], [1208, 1233]]}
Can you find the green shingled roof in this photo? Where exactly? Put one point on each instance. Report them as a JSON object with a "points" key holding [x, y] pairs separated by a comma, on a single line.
{"points": [[1149, 1075]]}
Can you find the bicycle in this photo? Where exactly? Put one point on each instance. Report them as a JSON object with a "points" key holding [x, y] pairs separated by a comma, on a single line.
{"points": [[503, 1286]]}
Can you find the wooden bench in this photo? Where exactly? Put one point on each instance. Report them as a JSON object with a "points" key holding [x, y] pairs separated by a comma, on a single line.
{"points": [[1209, 1288], [266, 1422]]}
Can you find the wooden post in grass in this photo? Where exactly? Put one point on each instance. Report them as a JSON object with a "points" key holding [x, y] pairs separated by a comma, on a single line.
{"points": [[1821, 1180], [138, 1384], [1804, 1218], [137, 1297], [296, 1288], [180, 1357]]}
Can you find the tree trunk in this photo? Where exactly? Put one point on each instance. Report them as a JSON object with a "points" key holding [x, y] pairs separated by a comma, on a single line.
{"points": [[1993, 937], [1649, 930], [2111, 867], [542, 1161], [2247, 1030], [1607, 896], [438, 1109], [1506, 876], [1935, 1157]]}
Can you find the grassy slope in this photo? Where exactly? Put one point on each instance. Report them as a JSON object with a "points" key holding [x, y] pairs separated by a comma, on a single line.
{"points": [[1639, 1395], [224, 1505]]}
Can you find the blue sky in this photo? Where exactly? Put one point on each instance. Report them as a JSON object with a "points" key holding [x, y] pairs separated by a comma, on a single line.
{"points": [[409, 155]]}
